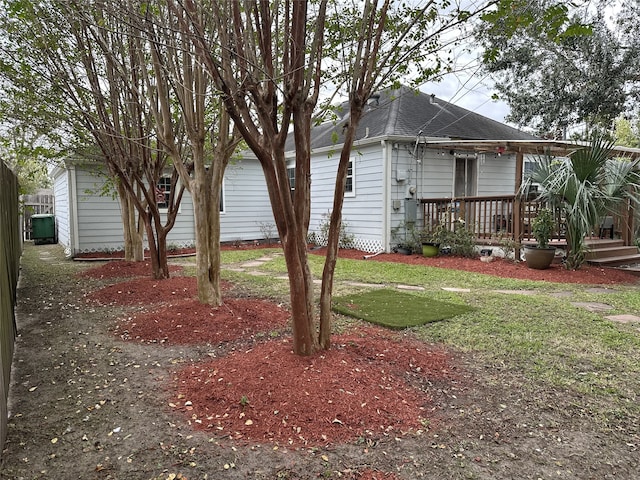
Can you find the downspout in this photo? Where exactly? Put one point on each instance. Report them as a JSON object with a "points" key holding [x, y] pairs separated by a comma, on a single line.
{"points": [[386, 196], [74, 240]]}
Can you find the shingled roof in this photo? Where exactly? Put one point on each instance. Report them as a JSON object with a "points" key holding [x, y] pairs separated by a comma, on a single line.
{"points": [[406, 112]]}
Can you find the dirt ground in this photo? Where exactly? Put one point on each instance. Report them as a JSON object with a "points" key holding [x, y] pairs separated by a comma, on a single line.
{"points": [[118, 376]]}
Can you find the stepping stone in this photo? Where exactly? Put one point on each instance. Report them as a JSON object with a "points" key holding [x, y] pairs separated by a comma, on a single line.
{"points": [[256, 273], [253, 264], [593, 306], [516, 292], [600, 290], [360, 284], [454, 289], [561, 294], [624, 318], [414, 288]]}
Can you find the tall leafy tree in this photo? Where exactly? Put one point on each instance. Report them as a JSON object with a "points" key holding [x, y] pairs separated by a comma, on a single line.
{"points": [[556, 74]]}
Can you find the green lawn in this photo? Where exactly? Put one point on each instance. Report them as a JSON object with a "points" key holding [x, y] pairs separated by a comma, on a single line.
{"points": [[540, 336]]}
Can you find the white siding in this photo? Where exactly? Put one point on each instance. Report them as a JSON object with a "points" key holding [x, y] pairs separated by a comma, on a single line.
{"points": [[362, 212], [99, 222], [246, 203], [246, 208], [61, 199], [496, 174]]}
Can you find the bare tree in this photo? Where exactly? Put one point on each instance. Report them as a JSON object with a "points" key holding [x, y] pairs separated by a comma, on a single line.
{"points": [[113, 58], [184, 98], [268, 66], [92, 63], [259, 61]]}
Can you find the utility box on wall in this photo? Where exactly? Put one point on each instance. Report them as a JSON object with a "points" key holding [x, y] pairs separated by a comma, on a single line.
{"points": [[410, 211]]}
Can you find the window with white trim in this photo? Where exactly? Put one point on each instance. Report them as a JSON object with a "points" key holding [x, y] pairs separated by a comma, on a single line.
{"points": [[163, 192], [350, 184]]}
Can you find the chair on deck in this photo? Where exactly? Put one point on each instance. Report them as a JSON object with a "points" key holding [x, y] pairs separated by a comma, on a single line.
{"points": [[606, 225]]}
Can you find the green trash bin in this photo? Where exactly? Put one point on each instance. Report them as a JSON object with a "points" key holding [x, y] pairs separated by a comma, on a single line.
{"points": [[43, 228]]}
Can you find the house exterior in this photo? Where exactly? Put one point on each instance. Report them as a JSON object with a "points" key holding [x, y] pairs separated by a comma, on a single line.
{"points": [[417, 161], [409, 147], [88, 215]]}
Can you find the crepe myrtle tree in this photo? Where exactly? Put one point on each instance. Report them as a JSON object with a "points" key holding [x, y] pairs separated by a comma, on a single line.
{"points": [[269, 61], [91, 60]]}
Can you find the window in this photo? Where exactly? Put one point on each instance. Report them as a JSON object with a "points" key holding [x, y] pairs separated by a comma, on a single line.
{"points": [[350, 184], [291, 172], [163, 191]]}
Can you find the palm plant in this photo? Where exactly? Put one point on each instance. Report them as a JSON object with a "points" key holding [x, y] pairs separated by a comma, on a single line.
{"points": [[587, 185]]}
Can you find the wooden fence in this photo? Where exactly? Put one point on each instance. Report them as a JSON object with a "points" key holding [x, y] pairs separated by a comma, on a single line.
{"points": [[10, 250]]}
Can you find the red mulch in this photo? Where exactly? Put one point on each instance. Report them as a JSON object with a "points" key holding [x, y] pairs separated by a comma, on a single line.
{"points": [[359, 388], [587, 274], [122, 269], [189, 322], [372, 383], [145, 291]]}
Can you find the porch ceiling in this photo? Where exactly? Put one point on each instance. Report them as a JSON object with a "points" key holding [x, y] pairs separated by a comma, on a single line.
{"points": [[554, 147]]}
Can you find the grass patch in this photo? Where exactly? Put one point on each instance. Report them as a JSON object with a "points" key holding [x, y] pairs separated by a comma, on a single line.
{"points": [[394, 309]]}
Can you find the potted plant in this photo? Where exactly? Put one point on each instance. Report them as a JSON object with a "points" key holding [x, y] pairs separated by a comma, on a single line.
{"points": [[542, 227], [433, 239], [407, 237]]}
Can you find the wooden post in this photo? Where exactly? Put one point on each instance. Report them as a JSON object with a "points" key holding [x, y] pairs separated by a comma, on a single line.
{"points": [[517, 204]]}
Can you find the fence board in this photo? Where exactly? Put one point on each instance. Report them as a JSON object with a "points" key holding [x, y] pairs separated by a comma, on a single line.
{"points": [[10, 249]]}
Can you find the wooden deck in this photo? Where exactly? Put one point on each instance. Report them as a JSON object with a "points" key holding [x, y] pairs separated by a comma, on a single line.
{"points": [[495, 218]]}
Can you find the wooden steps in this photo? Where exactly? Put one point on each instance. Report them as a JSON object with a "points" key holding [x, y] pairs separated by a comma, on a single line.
{"points": [[611, 253]]}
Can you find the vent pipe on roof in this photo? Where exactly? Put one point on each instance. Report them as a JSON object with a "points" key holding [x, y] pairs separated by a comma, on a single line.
{"points": [[374, 99], [432, 99]]}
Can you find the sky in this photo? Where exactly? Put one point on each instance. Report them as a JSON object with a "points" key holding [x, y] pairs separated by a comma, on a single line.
{"points": [[472, 95]]}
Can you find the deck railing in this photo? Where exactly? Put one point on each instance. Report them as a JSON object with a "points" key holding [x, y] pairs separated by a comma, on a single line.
{"points": [[489, 217]]}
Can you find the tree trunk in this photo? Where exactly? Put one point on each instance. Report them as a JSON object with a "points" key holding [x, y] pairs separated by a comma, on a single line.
{"points": [[206, 195], [333, 240], [206, 288], [301, 294], [292, 232], [133, 239], [157, 240]]}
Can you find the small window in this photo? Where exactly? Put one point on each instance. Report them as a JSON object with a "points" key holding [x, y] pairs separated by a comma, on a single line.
{"points": [[350, 184], [291, 172], [163, 192], [222, 198]]}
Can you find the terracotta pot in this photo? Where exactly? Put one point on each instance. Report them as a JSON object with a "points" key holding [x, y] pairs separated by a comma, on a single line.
{"points": [[539, 258]]}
